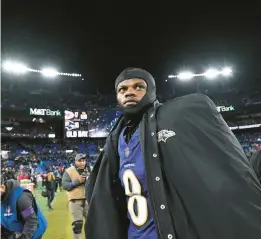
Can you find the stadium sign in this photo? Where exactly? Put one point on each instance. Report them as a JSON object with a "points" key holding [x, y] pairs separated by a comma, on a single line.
{"points": [[77, 134], [225, 109], [44, 112]]}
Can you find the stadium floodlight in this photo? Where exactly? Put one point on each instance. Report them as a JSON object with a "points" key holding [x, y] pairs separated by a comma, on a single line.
{"points": [[49, 72], [226, 71], [185, 75], [19, 68], [14, 67], [211, 73], [172, 76]]}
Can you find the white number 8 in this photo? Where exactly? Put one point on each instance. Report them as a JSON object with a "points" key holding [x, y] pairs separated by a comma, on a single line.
{"points": [[133, 190]]}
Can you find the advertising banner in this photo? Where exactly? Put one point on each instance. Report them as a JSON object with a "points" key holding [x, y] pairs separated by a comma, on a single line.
{"points": [[44, 112]]}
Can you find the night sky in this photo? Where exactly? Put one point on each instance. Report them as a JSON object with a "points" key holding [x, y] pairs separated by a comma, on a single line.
{"points": [[100, 39]]}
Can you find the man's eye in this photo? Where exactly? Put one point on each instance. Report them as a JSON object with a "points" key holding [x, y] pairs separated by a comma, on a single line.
{"points": [[140, 87]]}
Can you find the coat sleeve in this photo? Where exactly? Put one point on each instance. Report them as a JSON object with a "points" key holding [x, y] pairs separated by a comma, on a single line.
{"points": [[107, 204], [68, 184], [206, 133], [89, 185], [256, 163], [217, 189], [26, 206]]}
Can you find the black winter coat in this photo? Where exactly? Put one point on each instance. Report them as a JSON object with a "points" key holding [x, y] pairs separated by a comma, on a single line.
{"points": [[255, 160], [200, 183]]}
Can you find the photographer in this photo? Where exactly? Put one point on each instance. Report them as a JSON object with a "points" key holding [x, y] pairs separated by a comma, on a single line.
{"points": [[20, 215], [73, 182]]}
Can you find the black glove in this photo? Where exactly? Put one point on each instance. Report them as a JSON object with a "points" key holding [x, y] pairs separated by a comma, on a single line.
{"points": [[18, 235]]}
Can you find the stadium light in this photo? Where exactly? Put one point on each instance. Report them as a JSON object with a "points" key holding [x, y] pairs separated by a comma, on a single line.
{"points": [[185, 75], [49, 72], [226, 71], [211, 73], [19, 68], [15, 67]]}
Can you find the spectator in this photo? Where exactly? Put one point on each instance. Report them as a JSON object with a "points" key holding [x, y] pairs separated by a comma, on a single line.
{"points": [[50, 188]]}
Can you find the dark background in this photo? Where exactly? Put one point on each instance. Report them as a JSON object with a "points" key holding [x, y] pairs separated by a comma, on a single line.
{"points": [[100, 39]]}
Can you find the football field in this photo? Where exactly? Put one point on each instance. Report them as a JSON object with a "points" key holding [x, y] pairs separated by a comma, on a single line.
{"points": [[59, 219]]}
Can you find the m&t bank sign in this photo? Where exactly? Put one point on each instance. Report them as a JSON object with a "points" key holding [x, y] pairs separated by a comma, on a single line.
{"points": [[44, 112], [225, 109]]}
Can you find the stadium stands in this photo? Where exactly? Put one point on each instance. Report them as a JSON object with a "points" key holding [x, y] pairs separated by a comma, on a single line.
{"points": [[41, 155], [28, 143]]}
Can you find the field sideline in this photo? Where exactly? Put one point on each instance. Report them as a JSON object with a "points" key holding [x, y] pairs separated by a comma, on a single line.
{"points": [[59, 220]]}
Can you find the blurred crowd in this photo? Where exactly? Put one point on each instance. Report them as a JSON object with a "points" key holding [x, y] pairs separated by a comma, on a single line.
{"points": [[45, 97], [39, 156], [251, 142], [66, 96]]}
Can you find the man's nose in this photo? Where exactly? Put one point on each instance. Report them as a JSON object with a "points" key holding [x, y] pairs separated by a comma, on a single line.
{"points": [[130, 92]]}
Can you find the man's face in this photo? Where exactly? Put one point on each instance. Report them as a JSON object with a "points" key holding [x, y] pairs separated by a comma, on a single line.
{"points": [[81, 163], [130, 92]]}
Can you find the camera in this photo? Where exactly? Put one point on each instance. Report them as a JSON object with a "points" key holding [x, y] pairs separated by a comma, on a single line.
{"points": [[83, 172]]}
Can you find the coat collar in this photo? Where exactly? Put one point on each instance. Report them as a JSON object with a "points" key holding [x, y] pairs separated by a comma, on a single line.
{"points": [[112, 140]]}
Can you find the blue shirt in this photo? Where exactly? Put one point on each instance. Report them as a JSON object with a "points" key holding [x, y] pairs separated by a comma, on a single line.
{"points": [[9, 218], [133, 179]]}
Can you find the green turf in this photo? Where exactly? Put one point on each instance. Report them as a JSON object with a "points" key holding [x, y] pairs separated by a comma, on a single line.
{"points": [[59, 219]]}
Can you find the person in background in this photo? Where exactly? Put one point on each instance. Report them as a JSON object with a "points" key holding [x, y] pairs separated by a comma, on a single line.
{"points": [[43, 176], [21, 218], [50, 188], [10, 173], [73, 182], [34, 180], [58, 180]]}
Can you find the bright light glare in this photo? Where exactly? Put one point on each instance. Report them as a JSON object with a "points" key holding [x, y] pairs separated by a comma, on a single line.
{"points": [[19, 68], [14, 67], [226, 71], [211, 73], [185, 75], [97, 133], [49, 72], [172, 76]]}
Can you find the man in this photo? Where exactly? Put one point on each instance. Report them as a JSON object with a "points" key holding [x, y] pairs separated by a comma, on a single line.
{"points": [[171, 171], [58, 180], [73, 182], [20, 216], [9, 173], [255, 160], [5, 170], [50, 187]]}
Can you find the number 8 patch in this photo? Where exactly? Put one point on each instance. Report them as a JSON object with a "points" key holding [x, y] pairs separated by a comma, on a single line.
{"points": [[133, 190]]}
